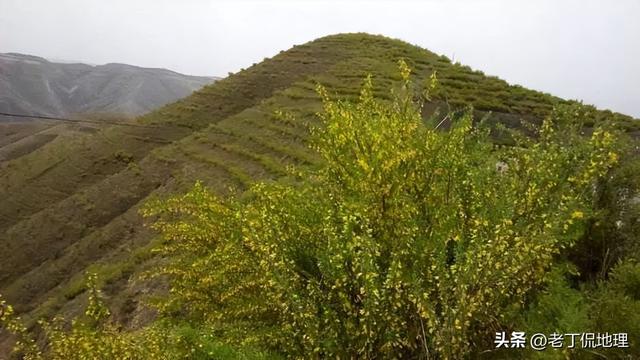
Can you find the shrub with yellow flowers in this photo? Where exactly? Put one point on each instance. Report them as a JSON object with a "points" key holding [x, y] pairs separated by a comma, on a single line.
{"points": [[407, 242], [88, 337]]}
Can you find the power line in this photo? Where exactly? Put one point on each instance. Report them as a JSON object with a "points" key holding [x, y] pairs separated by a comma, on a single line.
{"points": [[99, 122]]}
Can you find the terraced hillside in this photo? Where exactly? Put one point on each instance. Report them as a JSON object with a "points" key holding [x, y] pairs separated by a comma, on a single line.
{"points": [[71, 204]]}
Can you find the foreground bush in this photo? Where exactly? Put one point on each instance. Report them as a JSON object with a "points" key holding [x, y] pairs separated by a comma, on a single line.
{"points": [[410, 241]]}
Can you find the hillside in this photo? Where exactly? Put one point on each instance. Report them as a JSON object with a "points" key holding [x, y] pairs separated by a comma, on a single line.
{"points": [[71, 204], [33, 85]]}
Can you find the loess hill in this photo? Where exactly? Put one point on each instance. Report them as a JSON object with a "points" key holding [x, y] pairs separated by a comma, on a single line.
{"points": [[70, 195]]}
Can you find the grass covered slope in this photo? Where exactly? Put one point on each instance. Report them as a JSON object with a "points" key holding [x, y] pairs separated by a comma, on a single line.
{"points": [[72, 204]]}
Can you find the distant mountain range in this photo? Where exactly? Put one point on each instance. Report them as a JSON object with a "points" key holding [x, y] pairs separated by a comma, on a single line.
{"points": [[34, 85]]}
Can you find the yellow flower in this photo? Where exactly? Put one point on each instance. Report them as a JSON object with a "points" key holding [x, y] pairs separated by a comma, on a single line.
{"points": [[577, 215]]}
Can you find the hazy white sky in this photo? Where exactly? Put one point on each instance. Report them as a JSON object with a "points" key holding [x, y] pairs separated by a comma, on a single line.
{"points": [[587, 49]]}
